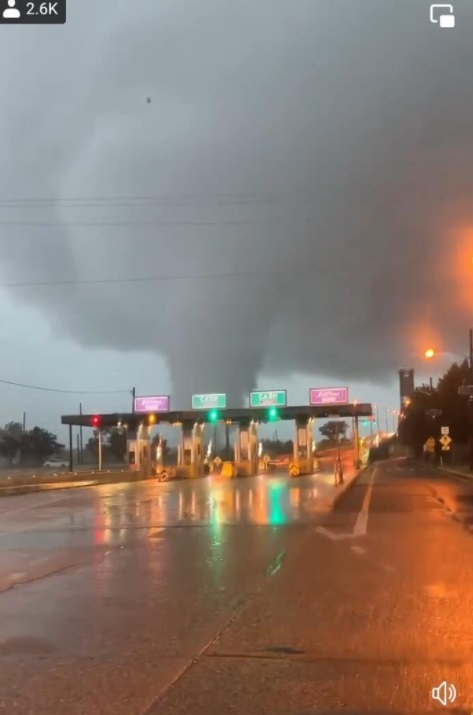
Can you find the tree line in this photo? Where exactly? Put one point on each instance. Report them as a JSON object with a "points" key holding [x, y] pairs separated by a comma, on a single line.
{"points": [[38, 444], [32, 445], [430, 408]]}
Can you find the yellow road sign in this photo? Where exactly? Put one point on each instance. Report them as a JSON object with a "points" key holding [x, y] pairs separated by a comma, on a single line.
{"points": [[445, 440], [430, 444], [294, 469]]}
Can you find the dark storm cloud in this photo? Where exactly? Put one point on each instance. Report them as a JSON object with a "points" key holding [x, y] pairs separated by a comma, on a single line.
{"points": [[336, 135]]}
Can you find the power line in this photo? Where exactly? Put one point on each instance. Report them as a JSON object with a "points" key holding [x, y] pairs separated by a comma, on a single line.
{"points": [[136, 202], [146, 279], [188, 198], [65, 392], [64, 224]]}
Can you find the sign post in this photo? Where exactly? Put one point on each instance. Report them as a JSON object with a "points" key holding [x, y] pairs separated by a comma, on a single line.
{"points": [[216, 401], [268, 398]]}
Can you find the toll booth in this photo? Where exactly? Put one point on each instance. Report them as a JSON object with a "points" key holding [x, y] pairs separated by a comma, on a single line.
{"points": [[190, 458], [303, 456], [246, 450], [139, 450]]}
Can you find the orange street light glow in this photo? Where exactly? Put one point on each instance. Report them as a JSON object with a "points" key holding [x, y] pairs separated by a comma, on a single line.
{"points": [[429, 353]]}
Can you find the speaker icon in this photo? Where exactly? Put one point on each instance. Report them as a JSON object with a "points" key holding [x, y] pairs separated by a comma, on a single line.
{"points": [[444, 693]]}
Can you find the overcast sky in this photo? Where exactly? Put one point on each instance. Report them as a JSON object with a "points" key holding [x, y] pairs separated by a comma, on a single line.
{"points": [[233, 195]]}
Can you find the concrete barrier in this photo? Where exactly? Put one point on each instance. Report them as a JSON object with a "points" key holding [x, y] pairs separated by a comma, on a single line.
{"points": [[244, 469], [25, 483], [228, 470]]}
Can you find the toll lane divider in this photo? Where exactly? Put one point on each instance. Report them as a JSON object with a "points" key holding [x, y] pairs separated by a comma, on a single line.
{"points": [[342, 489], [329, 502]]}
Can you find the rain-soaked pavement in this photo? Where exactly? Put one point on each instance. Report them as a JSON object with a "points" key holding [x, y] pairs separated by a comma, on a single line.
{"points": [[242, 596]]}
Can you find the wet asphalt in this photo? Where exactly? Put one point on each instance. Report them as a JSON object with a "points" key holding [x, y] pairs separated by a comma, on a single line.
{"points": [[238, 597]]}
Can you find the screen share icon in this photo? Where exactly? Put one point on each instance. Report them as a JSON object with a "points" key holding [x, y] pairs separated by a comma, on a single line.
{"points": [[442, 15]]}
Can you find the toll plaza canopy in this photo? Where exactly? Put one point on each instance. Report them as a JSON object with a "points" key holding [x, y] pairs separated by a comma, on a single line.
{"points": [[234, 415]]}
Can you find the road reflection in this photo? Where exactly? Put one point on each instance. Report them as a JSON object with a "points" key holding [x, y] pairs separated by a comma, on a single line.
{"points": [[263, 500]]}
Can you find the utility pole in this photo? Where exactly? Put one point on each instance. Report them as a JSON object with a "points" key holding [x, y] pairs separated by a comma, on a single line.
{"points": [[80, 453], [71, 458], [24, 422], [386, 419], [133, 395], [471, 352], [100, 449], [357, 443]]}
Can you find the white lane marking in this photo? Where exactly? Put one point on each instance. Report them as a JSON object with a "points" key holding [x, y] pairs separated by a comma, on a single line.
{"points": [[331, 535], [358, 550], [17, 576], [361, 524]]}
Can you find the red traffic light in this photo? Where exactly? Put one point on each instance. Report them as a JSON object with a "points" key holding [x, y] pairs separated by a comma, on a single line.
{"points": [[95, 421]]}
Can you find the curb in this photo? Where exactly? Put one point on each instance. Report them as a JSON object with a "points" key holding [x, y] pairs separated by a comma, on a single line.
{"points": [[459, 475], [350, 484], [61, 486], [35, 488]]}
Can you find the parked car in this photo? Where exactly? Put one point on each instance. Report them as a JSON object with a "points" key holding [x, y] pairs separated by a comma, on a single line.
{"points": [[56, 464]]}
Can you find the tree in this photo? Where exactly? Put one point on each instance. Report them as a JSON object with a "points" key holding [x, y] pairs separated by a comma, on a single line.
{"points": [[276, 447], [333, 430], [10, 440], [429, 409], [113, 443], [39, 444], [116, 443]]}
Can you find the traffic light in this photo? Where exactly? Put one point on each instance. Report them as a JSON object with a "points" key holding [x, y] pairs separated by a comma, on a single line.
{"points": [[273, 414], [214, 416], [95, 421]]}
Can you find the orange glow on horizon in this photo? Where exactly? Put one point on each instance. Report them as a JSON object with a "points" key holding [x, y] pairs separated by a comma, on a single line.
{"points": [[461, 264]]}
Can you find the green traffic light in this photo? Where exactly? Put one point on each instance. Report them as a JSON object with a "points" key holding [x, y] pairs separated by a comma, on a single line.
{"points": [[273, 414], [213, 416]]}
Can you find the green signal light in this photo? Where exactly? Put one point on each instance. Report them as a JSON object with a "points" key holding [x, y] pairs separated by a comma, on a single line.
{"points": [[214, 416], [273, 414]]}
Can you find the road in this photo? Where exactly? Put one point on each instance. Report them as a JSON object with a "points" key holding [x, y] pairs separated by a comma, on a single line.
{"points": [[238, 597]]}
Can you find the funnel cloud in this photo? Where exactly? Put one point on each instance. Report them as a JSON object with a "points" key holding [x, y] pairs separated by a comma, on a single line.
{"points": [[244, 188]]}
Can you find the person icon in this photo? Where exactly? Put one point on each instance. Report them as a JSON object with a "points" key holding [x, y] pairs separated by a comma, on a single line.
{"points": [[11, 13]]}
